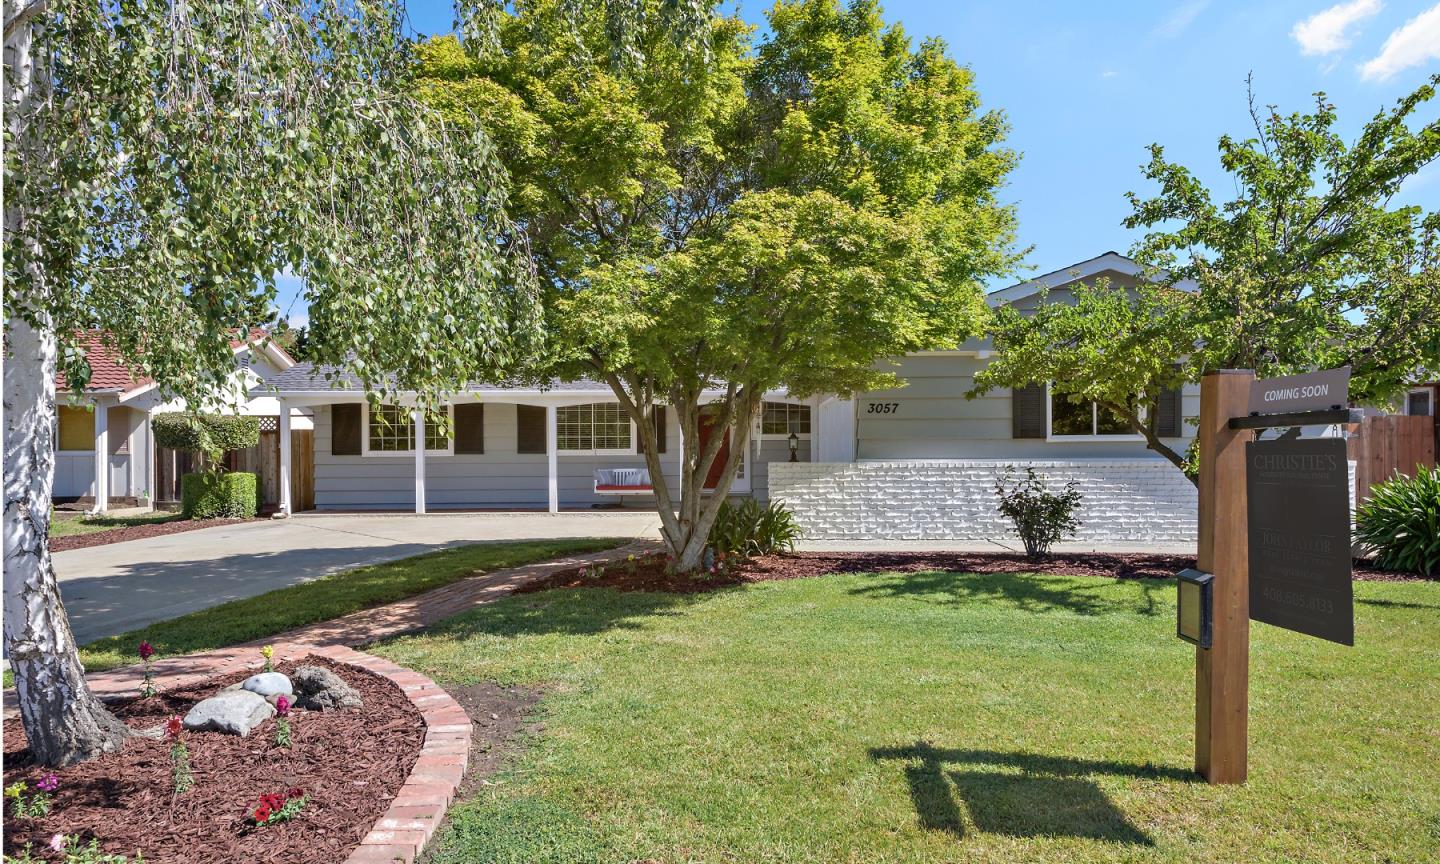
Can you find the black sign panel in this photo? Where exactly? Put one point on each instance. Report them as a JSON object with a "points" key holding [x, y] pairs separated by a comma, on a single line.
{"points": [[1299, 497]]}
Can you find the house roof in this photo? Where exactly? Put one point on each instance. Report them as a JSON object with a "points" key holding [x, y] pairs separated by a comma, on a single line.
{"points": [[1108, 262], [308, 378], [109, 374]]}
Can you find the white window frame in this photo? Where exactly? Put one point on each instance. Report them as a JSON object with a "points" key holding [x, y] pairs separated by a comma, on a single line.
{"points": [[1094, 421], [762, 435], [1430, 398], [624, 451], [404, 454]]}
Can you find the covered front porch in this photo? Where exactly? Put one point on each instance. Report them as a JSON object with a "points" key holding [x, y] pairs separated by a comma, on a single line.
{"points": [[564, 449]]}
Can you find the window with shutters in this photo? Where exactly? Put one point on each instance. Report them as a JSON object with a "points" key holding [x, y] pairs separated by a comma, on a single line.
{"points": [[1086, 420], [600, 427], [390, 431], [779, 419]]}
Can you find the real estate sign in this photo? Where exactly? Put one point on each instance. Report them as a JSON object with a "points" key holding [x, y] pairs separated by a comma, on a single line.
{"points": [[1328, 388], [1299, 525]]}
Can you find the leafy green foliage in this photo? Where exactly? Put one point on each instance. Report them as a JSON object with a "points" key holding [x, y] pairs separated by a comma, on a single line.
{"points": [[1041, 516], [1308, 266], [211, 434], [1400, 522], [734, 220], [208, 495], [752, 528]]}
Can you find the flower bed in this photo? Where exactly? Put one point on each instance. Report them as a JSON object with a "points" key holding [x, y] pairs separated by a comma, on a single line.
{"points": [[347, 766]]}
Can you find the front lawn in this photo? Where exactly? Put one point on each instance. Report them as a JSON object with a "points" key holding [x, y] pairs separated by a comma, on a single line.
{"points": [[327, 597], [937, 717], [74, 526]]}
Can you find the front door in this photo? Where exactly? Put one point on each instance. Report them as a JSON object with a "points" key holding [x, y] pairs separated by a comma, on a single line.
{"points": [[717, 468]]}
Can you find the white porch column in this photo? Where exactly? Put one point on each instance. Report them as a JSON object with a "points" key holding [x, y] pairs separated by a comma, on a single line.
{"points": [[150, 481], [102, 457], [419, 418], [286, 505], [552, 447]]}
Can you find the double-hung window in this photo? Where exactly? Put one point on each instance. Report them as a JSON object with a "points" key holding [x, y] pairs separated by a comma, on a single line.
{"points": [[600, 427], [390, 430], [779, 419]]}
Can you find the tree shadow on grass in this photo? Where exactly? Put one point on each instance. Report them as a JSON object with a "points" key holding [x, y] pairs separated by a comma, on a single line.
{"points": [[1026, 591], [1029, 796], [565, 611]]}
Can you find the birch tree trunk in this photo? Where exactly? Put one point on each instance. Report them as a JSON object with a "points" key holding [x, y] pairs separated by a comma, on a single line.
{"points": [[64, 721]]}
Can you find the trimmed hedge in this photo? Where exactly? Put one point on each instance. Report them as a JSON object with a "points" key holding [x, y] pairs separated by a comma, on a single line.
{"points": [[212, 434], [208, 495]]}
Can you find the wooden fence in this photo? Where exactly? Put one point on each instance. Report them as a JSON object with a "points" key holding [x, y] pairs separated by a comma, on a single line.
{"points": [[1383, 446]]}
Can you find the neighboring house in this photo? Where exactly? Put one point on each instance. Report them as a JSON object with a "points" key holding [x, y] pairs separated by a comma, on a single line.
{"points": [[916, 461], [104, 431]]}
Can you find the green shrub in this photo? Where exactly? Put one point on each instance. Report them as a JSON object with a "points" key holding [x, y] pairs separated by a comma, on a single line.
{"points": [[209, 495], [1041, 517], [1400, 523], [750, 528], [211, 434]]}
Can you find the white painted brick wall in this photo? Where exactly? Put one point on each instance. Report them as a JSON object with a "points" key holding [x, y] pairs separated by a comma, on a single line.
{"points": [[1128, 500], [1133, 500]]}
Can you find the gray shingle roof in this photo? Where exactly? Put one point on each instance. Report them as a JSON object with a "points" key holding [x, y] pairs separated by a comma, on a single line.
{"points": [[308, 378]]}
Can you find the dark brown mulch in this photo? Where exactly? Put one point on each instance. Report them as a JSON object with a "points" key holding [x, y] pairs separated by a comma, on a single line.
{"points": [[136, 532], [349, 763], [648, 573]]}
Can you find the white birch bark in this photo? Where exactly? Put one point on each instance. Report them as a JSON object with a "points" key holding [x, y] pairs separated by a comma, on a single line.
{"points": [[64, 721]]}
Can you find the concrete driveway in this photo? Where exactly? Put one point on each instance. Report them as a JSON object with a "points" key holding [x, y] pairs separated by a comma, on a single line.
{"points": [[111, 589]]}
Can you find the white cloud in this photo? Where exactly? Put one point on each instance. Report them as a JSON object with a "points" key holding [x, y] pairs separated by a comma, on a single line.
{"points": [[1324, 32], [1417, 41], [1180, 20]]}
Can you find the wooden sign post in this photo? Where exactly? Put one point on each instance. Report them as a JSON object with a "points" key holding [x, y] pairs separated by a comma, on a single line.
{"points": [[1222, 671], [1302, 558]]}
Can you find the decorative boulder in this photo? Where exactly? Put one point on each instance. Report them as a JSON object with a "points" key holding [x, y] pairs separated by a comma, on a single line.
{"points": [[319, 689], [268, 684], [235, 712]]}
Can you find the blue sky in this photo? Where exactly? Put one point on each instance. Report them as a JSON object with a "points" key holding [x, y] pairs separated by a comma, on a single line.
{"points": [[1087, 87]]}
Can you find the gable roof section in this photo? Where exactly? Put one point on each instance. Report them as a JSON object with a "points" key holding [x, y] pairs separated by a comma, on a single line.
{"points": [[1109, 262], [108, 374]]}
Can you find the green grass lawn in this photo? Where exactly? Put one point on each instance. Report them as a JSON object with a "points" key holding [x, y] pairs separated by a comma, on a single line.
{"points": [[325, 598], [938, 717], [75, 525]]}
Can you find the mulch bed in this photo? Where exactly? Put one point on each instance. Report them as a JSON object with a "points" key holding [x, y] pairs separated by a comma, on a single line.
{"points": [[349, 764], [648, 573], [136, 532]]}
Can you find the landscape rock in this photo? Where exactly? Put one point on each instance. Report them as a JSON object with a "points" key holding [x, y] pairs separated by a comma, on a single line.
{"points": [[235, 712], [319, 689], [268, 684]]}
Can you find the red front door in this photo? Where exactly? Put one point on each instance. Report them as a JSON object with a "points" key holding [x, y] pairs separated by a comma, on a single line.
{"points": [[707, 424]]}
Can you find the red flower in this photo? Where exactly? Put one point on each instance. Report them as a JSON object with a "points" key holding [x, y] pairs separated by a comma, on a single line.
{"points": [[294, 793], [146, 651], [282, 706], [173, 727], [262, 813]]}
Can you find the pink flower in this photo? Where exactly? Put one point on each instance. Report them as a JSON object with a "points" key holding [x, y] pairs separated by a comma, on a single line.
{"points": [[282, 706], [146, 651], [48, 783], [173, 727], [57, 843]]}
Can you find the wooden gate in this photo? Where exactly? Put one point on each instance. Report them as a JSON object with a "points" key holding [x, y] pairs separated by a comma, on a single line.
{"points": [[1383, 446], [264, 460]]}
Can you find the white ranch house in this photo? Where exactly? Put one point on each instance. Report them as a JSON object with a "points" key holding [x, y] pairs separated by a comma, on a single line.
{"points": [[916, 462]]}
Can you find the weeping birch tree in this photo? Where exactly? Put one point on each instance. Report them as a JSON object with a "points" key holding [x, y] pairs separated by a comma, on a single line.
{"points": [[735, 218], [163, 159]]}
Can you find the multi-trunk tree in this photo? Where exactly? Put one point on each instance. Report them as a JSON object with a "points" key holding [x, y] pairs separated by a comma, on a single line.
{"points": [[1309, 266], [737, 219], [162, 161]]}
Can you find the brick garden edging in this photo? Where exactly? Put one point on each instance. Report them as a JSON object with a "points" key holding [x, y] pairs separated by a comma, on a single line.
{"points": [[418, 809]]}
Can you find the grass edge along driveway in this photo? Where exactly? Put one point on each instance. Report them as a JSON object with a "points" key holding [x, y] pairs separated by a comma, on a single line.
{"points": [[936, 717], [327, 597]]}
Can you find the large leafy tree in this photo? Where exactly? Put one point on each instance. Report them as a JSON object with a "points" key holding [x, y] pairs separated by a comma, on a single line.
{"points": [[1308, 266], [738, 219], [162, 160]]}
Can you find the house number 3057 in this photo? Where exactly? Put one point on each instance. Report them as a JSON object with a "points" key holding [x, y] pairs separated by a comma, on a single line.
{"points": [[883, 408]]}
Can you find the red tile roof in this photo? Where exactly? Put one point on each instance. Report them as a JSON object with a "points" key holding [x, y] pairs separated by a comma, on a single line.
{"points": [[107, 373]]}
